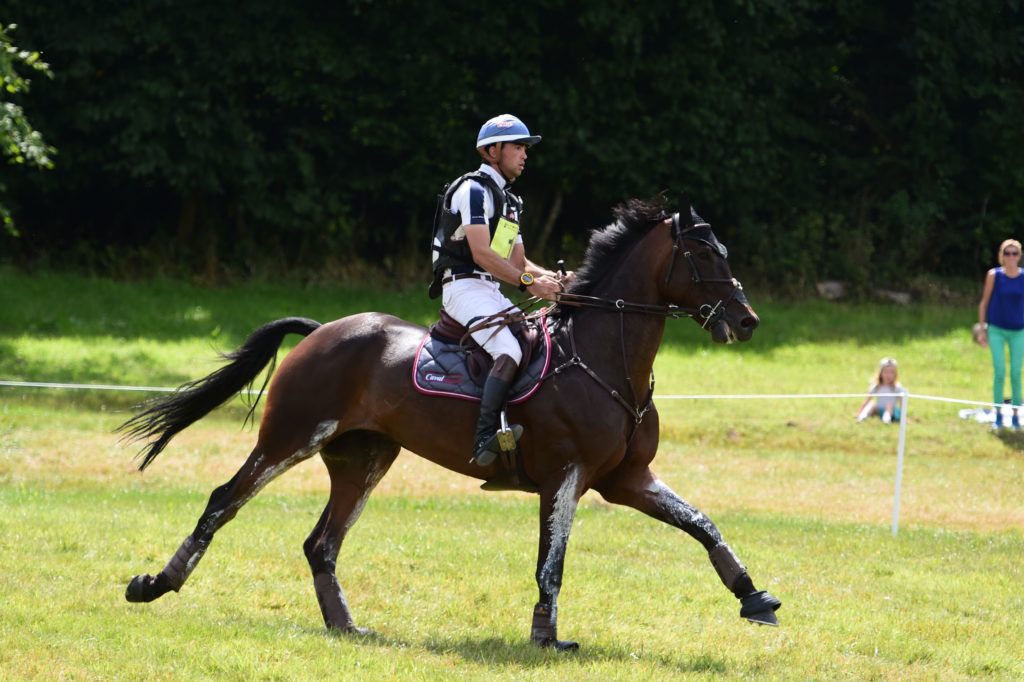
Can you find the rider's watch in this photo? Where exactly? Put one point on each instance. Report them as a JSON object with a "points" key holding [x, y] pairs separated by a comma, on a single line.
{"points": [[525, 280]]}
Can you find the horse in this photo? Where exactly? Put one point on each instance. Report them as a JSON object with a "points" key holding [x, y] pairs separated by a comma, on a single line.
{"points": [[344, 392]]}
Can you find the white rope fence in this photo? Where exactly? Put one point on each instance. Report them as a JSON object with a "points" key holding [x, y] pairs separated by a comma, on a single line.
{"points": [[900, 450], [87, 387], [901, 447], [94, 387]]}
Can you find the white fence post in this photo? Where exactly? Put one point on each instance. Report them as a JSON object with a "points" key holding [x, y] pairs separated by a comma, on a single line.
{"points": [[900, 450]]}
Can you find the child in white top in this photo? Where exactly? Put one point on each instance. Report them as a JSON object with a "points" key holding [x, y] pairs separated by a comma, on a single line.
{"points": [[886, 391]]}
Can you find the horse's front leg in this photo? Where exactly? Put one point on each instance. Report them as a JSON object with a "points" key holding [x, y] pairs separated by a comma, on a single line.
{"points": [[641, 490], [557, 511]]}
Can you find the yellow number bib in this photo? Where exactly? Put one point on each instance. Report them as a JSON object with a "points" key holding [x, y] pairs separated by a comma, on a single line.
{"points": [[504, 237]]}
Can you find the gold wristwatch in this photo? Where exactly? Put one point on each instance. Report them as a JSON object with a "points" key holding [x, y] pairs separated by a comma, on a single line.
{"points": [[525, 280]]}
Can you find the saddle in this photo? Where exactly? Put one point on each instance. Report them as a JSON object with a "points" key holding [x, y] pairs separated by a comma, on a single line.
{"points": [[450, 363], [478, 361]]}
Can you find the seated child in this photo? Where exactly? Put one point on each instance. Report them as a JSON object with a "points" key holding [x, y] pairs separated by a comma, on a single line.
{"points": [[886, 392]]}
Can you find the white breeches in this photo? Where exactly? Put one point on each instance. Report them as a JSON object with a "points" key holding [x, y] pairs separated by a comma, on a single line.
{"points": [[465, 299]]}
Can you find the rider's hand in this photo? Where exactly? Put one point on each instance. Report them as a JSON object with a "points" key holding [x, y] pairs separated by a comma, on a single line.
{"points": [[567, 278], [545, 287]]}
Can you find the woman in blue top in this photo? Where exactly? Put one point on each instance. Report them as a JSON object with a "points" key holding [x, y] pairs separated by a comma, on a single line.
{"points": [[1001, 317]]}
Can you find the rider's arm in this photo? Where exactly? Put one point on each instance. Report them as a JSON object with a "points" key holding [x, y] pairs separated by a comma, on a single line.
{"points": [[519, 260], [479, 238], [536, 270], [540, 271]]}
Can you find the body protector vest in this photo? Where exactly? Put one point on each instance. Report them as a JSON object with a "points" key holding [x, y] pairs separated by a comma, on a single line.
{"points": [[455, 253]]}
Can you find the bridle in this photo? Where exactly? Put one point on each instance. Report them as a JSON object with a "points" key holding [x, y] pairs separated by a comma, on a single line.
{"points": [[708, 314]]}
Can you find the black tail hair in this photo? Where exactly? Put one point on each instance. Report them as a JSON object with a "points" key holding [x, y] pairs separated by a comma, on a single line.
{"points": [[164, 417]]}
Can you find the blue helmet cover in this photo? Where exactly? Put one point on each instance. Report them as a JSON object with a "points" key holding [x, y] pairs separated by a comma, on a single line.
{"points": [[505, 128]]}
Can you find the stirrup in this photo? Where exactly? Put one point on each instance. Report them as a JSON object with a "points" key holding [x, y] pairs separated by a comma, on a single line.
{"points": [[487, 451], [507, 436]]}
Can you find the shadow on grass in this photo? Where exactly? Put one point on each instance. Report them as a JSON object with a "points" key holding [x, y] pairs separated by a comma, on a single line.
{"points": [[1011, 438], [499, 652], [493, 651]]}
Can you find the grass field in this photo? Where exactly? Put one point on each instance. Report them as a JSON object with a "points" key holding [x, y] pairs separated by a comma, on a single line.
{"points": [[444, 572]]}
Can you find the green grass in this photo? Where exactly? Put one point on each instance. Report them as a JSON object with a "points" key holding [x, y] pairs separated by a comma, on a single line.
{"points": [[444, 573]]}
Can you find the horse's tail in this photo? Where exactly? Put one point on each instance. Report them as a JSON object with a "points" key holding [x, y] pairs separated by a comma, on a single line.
{"points": [[164, 417]]}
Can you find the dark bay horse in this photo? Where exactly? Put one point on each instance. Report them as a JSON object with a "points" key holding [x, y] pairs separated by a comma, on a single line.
{"points": [[345, 392]]}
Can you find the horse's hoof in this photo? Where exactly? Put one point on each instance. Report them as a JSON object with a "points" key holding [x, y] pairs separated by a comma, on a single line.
{"points": [[361, 632], [557, 644], [351, 631], [760, 608], [140, 589], [764, 618]]}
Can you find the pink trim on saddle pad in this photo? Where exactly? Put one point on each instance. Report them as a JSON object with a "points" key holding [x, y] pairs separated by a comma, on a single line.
{"points": [[461, 375]]}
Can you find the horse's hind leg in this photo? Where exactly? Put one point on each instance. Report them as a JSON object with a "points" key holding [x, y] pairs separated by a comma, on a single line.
{"points": [[640, 489], [263, 465], [356, 462]]}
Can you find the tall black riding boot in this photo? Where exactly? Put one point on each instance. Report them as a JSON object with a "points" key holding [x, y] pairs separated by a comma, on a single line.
{"points": [[496, 388]]}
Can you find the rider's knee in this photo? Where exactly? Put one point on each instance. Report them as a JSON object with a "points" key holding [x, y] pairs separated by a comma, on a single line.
{"points": [[505, 365]]}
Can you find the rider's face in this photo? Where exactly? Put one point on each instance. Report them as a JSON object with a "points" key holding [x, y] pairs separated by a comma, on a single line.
{"points": [[512, 159]]}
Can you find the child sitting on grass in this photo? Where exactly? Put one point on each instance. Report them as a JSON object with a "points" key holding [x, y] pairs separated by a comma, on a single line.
{"points": [[885, 391]]}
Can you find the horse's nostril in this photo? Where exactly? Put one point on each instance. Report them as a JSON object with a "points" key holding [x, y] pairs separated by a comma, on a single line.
{"points": [[749, 322]]}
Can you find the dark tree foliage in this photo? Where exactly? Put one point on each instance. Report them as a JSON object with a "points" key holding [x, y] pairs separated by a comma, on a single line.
{"points": [[20, 144], [865, 140]]}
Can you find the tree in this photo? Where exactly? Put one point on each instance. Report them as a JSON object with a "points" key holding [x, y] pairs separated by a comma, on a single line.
{"points": [[20, 143]]}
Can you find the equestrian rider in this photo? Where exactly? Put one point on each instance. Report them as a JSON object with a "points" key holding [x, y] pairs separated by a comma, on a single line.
{"points": [[477, 245]]}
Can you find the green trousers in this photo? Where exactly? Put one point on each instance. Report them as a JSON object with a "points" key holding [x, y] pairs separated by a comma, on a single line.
{"points": [[998, 340]]}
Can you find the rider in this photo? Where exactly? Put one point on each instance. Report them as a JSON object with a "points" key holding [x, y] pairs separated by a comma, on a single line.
{"points": [[477, 245]]}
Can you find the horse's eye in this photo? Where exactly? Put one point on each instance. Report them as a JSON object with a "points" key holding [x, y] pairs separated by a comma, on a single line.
{"points": [[704, 255]]}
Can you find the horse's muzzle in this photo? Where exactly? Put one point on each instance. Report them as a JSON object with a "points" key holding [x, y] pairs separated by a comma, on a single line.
{"points": [[735, 328]]}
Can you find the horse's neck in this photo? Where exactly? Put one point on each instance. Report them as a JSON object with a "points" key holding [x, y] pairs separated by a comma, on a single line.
{"points": [[620, 342]]}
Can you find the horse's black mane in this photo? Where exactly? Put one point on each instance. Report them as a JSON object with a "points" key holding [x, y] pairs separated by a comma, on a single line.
{"points": [[633, 219]]}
